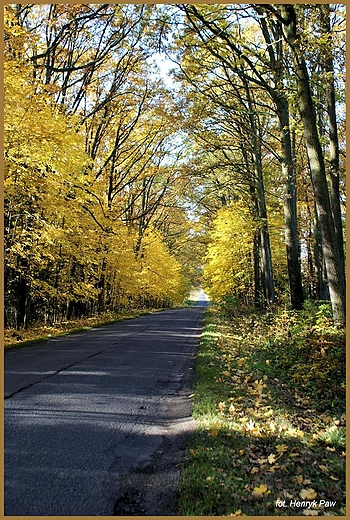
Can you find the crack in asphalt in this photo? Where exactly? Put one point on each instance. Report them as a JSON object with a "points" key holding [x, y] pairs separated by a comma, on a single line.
{"points": [[55, 373], [51, 375]]}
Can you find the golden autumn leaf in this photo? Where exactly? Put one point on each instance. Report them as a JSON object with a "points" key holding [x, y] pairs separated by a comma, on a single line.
{"points": [[272, 426], [281, 448], [221, 406], [260, 491], [250, 425], [323, 468], [308, 494], [237, 513], [259, 385], [231, 409], [298, 479], [271, 458]]}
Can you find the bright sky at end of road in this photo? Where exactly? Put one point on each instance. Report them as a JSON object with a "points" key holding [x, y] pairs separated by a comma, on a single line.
{"points": [[197, 294]]}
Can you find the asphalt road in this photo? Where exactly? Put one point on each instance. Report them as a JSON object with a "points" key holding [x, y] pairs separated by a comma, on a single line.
{"points": [[96, 423]]}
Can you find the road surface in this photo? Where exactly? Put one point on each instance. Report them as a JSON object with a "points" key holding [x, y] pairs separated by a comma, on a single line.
{"points": [[96, 423]]}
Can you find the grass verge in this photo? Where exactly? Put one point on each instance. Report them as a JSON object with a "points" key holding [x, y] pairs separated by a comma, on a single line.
{"points": [[269, 404]]}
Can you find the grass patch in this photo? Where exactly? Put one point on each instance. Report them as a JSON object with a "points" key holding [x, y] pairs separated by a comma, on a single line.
{"points": [[39, 332], [269, 403]]}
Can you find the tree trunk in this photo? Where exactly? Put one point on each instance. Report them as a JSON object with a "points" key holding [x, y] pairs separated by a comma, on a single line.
{"points": [[331, 255], [22, 303], [266, 259], [290, 207], [101, 286], [273, 38], [334, 191], [322, 292], [257, 276]]}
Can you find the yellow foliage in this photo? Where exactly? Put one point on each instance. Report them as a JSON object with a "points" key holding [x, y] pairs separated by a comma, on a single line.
{"points": [[59, 235], [228, 269], [160, 273], [43, 158]]}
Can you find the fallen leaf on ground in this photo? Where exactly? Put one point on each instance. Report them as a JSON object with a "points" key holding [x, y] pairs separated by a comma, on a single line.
{"points": [[281, 448], [221, 406], [271, 458], [260, 491], [250, 425], [298, 479], [308, 494]]}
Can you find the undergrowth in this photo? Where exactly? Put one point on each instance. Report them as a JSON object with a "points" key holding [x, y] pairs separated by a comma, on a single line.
{"points": [[269, 403]]}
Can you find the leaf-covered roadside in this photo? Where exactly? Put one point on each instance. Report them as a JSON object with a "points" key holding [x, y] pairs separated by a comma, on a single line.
{"points": [[269, 403]]}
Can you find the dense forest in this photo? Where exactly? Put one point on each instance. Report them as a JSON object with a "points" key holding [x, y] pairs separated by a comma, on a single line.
{"points": [[125, 187]]}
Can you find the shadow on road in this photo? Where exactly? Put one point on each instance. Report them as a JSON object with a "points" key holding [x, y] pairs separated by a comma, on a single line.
{"points": [[98, 411]]}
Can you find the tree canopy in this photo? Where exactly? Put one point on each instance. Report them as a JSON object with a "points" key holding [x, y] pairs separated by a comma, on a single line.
{"points": [[123, 190]]}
